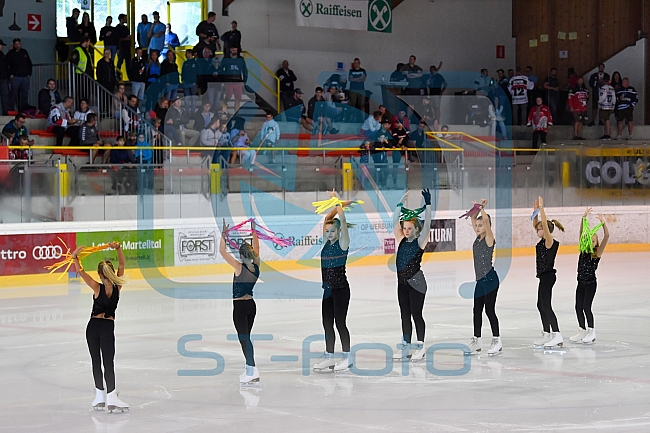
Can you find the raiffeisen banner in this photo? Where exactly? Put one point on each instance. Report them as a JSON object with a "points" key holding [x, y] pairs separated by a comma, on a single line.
{"points": [[365, 15]]}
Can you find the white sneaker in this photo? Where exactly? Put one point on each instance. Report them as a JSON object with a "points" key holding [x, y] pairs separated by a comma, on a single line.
{"points": [[474, 345], [403, 352], [619, 138], [343, 363], [582, 333], [112, 402], [590, 337], [251, 374], [100, 399], [496, 346], [546, 336], [421, 351], [325, 362], [555, 341]]}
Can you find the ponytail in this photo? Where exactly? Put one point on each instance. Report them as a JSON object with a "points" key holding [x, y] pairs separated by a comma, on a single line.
{"points": [[553, 223], [105, 269], [246, 251]]}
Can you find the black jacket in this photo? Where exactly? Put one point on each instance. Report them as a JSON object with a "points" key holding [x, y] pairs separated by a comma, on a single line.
{"points": [[4, 67], [106, 74], [134, 70], [178, 118], [169, 71], [44, 100], [286, 80], [108, 40], [72, 29], [19, 62]]}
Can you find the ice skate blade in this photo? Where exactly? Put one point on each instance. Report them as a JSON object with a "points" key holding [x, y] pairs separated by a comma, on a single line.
{"points": [[99, 406], [554, 347], [496, 353], [251, 382], [402, 359], [589, 343], [112, 409], [473, 353], [345, 370], [323, 370]]}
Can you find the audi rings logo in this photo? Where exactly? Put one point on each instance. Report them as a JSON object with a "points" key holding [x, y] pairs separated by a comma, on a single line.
{"points": [[49, 252]]}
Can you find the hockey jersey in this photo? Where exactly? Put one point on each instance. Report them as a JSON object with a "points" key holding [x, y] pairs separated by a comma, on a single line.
{"points": [[578, 97], [519, 86], [626, 98], [540, 118], [606, 97], [58, 116]]}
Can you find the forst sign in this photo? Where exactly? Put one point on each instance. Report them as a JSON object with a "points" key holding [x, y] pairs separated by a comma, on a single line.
{"points": [[364, 15]]}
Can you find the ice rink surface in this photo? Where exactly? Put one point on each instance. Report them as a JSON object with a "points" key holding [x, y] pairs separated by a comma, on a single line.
{"points": [[46, 380]]}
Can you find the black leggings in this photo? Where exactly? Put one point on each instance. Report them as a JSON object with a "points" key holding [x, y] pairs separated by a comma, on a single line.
{"points": [[538, 135], [243, 315], [487, 299], [411, 304], [71, 131], [585, 294], [335, 309], [100, 336], [544, 294]]}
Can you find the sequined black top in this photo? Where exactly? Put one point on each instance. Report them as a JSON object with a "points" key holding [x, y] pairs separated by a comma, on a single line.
{"points": [[409, 257], [332, 264], [546, 257], [243, 283], [103, 304], [482, 257], [587, 265]]}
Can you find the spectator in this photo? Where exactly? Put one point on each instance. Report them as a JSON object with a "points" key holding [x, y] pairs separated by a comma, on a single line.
{"points": [[153, 68], [578, 97], [223, 156], [81, 115], [18, 126], [121, 156], [106, 71], [287, 78], [142, 34], [143, 155], [495, 113], [484, 83], [8, 136], [48, 97], [573, 78], [428, 113], [421, 141], [5, 99], [540, 119], [596, 81], [606, 104], [378, 153], [130, 114], [519, 87], [203, 119], [169, 74], [437, 85], [397, 75], [119, 99], [241, 144], [161, 108], [502, 82], [532, 93], [364, 152], [401, 118], [177, 120], [222, 113], [232, 39], [107, 34], [211, 135], [123, 39], [156, 34], [20, 154], [372, 126], [626, 99], [171, 41], [385, 115], [617, 81], [137, 72], [205, 43], [400, 142], [62, 124], [270, 134], [295, 110], [87, 29], [357, 95], [315, 108], [413, 75], [88, 133], [189, 73], [552, 90], [72, 27], [333, 108], [20, 70], [207, 29], [234, 72], [81, 58]]}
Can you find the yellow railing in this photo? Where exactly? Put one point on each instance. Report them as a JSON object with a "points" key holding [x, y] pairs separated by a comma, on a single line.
{"points": [[235, 149], [275, 93], [459, 135]]}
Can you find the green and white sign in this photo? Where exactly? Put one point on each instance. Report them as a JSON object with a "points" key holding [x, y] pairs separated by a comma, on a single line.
{"points": [[364, 15]]}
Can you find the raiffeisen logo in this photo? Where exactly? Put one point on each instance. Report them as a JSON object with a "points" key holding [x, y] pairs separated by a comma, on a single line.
{"points": [[307, 9]]}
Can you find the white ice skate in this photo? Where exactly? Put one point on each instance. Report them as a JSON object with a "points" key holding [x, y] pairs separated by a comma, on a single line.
{"points": [[403, 352], [474, 346], [100, 399], [251, 375], [113, 403], [420, 351], [590, 336], [326, 362], [344, 363], [496, 347], [582, 333], [540, 342], [555, 341]]}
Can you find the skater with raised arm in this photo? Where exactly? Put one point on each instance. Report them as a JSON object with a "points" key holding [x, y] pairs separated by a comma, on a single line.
{"points": [[247, 271], [411, 236], [100, 332], [487, 281], [545, 251], [591, 250]]}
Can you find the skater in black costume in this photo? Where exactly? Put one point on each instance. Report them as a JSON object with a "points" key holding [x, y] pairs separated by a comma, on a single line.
{"points": [[487, 281], [336, 289], [411, 236], [100, 332], [546, 250], [591, 250], [247, 271]]}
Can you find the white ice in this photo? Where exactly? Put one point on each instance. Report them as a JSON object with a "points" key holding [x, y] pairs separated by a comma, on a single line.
{"points": [[46, 381]]}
